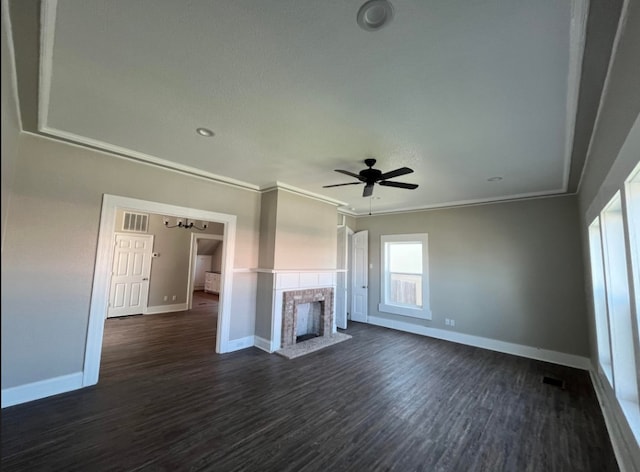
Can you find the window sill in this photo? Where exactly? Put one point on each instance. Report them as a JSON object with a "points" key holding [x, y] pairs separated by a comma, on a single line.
{"points": [[422, 313]]}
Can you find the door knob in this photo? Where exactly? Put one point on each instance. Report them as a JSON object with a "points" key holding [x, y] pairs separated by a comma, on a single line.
{"points": [[145, 279], [364, 286]]}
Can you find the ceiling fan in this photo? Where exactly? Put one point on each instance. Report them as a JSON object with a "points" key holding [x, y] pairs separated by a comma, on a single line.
{"points": [[372, 176]]}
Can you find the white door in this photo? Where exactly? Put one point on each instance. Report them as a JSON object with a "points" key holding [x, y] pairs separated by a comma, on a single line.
{"points": [[341, 279], [360, 286], [130, 274]]}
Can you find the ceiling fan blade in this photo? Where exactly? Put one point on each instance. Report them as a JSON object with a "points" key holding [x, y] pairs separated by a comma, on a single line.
{"points": [[396, 173], [398, 184], [340, 185], [351, 174], [368, 190]]}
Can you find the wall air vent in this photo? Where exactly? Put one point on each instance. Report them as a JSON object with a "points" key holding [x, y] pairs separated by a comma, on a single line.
{"points": [[135, 222]]}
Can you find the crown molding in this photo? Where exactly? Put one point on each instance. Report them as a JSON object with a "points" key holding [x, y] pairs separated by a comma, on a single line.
{"points": [[299, 191], [469, 203], [577, 41]]}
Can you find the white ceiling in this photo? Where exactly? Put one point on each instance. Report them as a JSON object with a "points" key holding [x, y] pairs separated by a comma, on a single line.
{"points": [[460, 91]]}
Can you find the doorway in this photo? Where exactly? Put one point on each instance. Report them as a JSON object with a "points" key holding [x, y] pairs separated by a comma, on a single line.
{"points": [[205, 255], [103, 267], [343, 288]]}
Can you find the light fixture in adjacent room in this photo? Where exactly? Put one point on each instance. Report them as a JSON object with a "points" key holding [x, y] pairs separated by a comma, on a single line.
{"points": [[494, 179], [206, 132], [375, 14], [188, 224]]}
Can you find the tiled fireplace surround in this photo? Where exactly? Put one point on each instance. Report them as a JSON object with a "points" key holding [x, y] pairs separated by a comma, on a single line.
{"points": [[292, 282], [290, 304]]}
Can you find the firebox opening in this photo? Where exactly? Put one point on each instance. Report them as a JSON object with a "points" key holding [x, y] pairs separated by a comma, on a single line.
{"points": [[308, 321]]}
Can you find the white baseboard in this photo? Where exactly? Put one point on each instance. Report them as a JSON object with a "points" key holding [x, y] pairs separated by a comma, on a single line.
{"points": [[41, 389], [237, 344], [546, 355], [620, 433], [154, 310], [263, 344]]}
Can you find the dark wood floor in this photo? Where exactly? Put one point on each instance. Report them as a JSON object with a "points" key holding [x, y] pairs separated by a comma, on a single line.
{"points": [[382, 401]]}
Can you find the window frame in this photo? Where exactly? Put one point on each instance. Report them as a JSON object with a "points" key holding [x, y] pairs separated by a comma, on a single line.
{"points": [[617, 222], [385, 306]]}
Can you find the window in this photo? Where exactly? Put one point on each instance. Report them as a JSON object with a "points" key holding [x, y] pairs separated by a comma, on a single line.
{"points": [[617, 283], [633, 224], [614, 238], [600, 300], [405, 284]]}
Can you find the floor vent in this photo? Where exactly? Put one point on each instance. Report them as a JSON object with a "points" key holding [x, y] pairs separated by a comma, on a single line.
{"points": [[553, 381]]}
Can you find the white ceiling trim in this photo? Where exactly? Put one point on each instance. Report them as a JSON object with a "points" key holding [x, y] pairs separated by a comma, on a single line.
{"points": [[449, 206], [47, 24], [71, 140], [12, 59], [48, 11], [478, 201], [139, 156], [299, 191], [605, 87], [577, 39]]}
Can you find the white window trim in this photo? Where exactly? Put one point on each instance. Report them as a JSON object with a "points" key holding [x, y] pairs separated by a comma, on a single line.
{"points": [[422, 313]]}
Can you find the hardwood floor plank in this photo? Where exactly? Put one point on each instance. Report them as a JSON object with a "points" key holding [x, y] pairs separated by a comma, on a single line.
{"points": [[383, 401]]}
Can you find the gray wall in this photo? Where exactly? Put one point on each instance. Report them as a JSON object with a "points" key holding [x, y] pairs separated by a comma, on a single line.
{"points": [[296, 233], [170, 271], [264, 305], [216, 260], [507, 271], [10, 125], [305, 233], [268, 214], [348, 220], [51, 242]]}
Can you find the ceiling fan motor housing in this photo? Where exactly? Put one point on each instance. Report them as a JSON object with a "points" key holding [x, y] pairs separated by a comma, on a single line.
{"points": [[371, 175]]}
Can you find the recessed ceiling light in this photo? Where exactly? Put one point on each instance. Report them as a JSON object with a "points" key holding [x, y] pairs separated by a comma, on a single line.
{"points": [[207, 133], [494, 179], [374, 14]]}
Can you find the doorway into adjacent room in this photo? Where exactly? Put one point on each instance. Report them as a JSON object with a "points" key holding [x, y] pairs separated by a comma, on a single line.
{"points": [[104, 266]]}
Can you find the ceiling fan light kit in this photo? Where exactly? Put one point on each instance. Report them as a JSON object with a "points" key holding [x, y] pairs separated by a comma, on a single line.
{"points": [[370, 176]]}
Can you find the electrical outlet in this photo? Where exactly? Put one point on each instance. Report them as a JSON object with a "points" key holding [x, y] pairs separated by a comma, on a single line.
{"points": [[173, 298], [447, 321], [452, 322], [166, 298], [165, 220], [180, 221]]}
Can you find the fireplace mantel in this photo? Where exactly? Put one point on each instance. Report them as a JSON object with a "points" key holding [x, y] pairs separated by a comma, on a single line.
{"points": [[291, 280]]}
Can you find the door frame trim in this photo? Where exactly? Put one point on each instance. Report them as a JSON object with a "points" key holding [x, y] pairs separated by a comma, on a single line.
{"points": [[102, 272]]}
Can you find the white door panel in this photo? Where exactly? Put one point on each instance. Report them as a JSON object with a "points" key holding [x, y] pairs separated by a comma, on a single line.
{"points": [[130, 276], [360, 287], [341, 280]]}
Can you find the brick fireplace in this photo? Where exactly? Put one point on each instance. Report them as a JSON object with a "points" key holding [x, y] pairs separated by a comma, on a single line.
{"points": [[292, 299]]}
